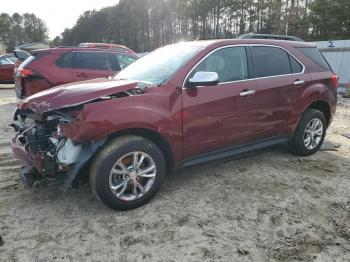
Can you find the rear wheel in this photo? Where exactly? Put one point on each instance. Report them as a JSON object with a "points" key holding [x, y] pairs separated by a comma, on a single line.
{"points": [[127, 172], [310, 133]]}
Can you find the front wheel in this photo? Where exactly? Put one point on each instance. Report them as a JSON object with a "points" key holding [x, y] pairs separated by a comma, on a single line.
{"points": [[127, 172], [310, 133]]}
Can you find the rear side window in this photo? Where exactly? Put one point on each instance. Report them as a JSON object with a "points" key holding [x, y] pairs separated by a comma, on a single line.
{"points": [[295, 65], [271, 61], [94, 60], [66, 60], [315, 55]]}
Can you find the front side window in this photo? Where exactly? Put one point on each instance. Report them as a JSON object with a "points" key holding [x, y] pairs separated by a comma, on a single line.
{"points": [[229, 63], [271, 61], [94, 61], [124, 60]]}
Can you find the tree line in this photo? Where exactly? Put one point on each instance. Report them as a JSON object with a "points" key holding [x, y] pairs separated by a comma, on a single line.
{"points": [[146, 24], [20, 29]]}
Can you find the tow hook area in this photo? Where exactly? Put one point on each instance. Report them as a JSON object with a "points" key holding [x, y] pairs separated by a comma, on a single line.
{"points": [[29, 176]]}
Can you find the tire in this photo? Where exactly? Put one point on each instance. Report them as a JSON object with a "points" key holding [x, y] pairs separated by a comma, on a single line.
{"points": [[298, 145], [122, 150]]}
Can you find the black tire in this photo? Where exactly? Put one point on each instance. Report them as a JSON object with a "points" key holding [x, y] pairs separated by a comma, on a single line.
{"points": [[297, 145], [107, 157]]}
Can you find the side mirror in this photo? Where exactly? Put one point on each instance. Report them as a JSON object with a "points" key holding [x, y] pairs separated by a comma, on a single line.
{"points": [[203, 79]]}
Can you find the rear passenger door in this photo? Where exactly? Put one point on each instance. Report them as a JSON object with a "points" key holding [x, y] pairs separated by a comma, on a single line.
{"points": [[93, 64], [280, 80]]}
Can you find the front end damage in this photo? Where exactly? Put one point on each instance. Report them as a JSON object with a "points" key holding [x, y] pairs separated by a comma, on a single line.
{"points": [[44, 151], [41, 143]]}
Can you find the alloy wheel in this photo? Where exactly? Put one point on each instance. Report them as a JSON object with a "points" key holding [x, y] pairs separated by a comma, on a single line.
{"points": [[132, 176], [313, 133]]}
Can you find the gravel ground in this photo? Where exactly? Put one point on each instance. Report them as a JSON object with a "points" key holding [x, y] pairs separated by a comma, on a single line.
{"points": [[271, 206]]}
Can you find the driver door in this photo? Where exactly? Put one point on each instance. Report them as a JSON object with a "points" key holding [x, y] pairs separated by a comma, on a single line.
{"points": [[220, 116]]}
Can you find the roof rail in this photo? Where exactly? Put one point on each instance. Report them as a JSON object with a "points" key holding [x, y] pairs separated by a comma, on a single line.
{"points": [[270, 36]]}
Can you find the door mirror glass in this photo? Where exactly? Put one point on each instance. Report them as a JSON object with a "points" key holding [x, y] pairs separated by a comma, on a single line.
{"points": [[203, 79]]}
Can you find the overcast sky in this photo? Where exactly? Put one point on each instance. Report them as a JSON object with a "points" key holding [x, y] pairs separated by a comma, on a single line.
{"points": [[57, 15]]}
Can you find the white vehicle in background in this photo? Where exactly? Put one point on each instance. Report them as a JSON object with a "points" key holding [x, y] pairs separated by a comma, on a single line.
{"points": [[337, 53]]}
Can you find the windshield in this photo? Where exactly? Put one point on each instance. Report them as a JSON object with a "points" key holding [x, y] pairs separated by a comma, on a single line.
{"points": [[158, 66]]}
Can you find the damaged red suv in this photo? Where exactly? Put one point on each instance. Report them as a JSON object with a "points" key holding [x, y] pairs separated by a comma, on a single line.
{"points": [[181, 105]]}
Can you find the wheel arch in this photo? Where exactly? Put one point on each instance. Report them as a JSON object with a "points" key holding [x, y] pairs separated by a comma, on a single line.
{"points": [[324, 107], [156, 138]]}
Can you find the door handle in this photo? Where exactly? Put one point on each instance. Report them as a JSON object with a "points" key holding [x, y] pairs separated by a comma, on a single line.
{"points": [[299, 82], [247, 93]]}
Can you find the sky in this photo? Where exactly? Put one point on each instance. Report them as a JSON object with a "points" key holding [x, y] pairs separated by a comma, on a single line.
{"points": [[57, 15]]}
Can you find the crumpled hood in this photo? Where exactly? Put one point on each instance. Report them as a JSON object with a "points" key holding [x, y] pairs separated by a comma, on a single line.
{"points": [[74, 94]]}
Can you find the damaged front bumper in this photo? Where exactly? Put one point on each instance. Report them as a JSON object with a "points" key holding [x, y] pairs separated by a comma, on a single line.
{"points": [[44, 152]]}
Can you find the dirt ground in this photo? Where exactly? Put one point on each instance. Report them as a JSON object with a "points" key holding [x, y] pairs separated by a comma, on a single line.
{"points": [[271, 206]]}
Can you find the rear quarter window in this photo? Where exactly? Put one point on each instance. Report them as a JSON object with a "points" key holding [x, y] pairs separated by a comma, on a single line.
{"points": [[314, 54]]}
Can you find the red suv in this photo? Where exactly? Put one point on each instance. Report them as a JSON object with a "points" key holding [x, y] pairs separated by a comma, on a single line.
{"points": [[47, 68], [180, 105]]}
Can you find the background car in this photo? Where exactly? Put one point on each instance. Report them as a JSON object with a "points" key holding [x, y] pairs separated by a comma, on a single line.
{"points": [[108, 46], [20, 56], [56, 66], [7, 65]]}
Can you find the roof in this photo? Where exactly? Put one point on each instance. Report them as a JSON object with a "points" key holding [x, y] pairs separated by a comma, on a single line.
{"points": [[61, 50], [219, 42], [32, 46]]}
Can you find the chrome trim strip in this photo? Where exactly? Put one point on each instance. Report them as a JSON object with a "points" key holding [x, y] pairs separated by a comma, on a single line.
{"points": [[244, 45]]}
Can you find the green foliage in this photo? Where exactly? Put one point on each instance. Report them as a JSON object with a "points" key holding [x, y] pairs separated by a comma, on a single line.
{"points": [[146, 24], [330, 19], [17, 29]]}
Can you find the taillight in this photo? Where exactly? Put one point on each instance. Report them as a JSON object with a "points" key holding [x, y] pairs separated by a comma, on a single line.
{"points": [[25, 72], [335, 81]]}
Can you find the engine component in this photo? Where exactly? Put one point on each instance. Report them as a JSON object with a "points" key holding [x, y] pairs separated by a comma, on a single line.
{"points": [[68, 153]]}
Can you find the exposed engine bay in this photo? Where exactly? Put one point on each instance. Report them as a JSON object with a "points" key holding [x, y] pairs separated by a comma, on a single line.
{"points": [[41, 137]]}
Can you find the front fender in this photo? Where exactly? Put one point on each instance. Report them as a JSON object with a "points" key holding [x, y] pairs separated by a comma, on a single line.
{"points": [[99, 120]]}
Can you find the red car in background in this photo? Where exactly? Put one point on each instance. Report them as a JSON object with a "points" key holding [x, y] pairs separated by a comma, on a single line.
{"points": [[7, 65], [47, 68]]}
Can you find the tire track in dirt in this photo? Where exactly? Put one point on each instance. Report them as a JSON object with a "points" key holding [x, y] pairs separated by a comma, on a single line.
{"points": [[9, 168]]}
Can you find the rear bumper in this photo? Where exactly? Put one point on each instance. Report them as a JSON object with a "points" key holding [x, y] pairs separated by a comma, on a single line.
{"points": [[27, 159]]}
